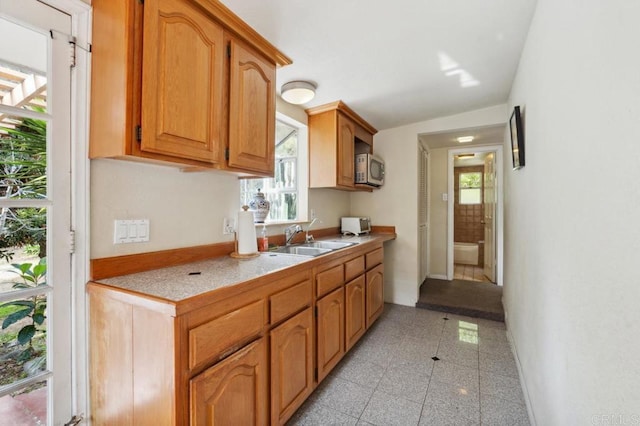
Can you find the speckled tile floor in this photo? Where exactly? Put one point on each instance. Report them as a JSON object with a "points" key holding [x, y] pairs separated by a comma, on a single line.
{"points": [[392, 376]]}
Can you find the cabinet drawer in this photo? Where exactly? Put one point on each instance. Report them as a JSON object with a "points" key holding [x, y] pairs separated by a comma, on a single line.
{"points": [[329, 279], [374, 258], [213, 338], [353, 268], [289, 301]]}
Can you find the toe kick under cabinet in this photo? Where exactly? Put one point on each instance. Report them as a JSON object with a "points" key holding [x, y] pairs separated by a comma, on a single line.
{"points": [[250, 358]]}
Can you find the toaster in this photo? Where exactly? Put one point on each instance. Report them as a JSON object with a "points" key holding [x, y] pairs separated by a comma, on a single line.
{"points": [[355, 225]]}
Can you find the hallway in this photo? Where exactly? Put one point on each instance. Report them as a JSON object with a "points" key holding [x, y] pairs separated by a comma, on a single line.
{"points": [[471, 298]]}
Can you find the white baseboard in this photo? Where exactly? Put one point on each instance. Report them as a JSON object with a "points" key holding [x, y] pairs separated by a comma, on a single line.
{"points": [[437, 276], [523, 383]]}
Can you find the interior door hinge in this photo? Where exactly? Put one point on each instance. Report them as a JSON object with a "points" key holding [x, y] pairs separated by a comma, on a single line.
{"points": [[139, 133], [72, 241], [72, 52], [226, 153], [75, 420], [229, 50]]}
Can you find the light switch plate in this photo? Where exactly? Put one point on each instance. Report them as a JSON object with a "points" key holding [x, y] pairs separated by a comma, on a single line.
{"points": [[131, 231]]}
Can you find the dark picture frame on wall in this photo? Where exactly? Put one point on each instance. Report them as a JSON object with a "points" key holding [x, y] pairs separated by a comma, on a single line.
{"points": [[517, 138]]}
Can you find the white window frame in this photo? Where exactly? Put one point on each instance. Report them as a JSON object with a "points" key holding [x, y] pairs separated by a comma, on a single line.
{"points": [[460, 189], [302, 171]]}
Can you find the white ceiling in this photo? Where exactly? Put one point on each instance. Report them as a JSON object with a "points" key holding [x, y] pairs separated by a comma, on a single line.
{"points": [[396, 62], [487, 135]]}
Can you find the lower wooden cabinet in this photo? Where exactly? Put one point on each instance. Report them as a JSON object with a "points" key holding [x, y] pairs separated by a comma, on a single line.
{"points": [[234, 391], [355, 319], [330, 331], [291, 365], [375, 293], [245, 359]]}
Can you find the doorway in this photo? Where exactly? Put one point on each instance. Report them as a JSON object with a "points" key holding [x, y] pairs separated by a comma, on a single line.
{"points": [[43, 201], [475, 214]]}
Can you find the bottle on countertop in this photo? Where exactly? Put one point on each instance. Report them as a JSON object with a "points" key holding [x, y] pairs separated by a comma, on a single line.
{"points": [[264, 239]]}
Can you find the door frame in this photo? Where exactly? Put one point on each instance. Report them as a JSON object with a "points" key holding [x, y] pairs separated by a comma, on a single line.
{"points": [[81, 19], [499, 243], [424, 148]]}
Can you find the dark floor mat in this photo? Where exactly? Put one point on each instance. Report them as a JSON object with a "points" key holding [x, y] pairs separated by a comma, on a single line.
{"points": [[470, 298]]}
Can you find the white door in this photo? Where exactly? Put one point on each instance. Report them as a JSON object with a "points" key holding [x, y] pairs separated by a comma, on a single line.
{"points": [[35, 213], [423, 214], [489, 217]]}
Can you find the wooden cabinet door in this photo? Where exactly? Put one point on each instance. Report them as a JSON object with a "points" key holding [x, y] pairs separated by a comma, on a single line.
{"points": [[355, 322], [252, 110], [330, 331], [375, 294], [182, 82], [234, 391], [291, 365], [346, 158]]}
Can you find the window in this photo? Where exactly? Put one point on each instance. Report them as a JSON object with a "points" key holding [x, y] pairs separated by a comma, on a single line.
{"points": [[282, 191], [470, 188]]}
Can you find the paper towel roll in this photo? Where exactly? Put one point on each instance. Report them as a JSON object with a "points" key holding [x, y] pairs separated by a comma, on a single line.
{"points": [[247, 241]]}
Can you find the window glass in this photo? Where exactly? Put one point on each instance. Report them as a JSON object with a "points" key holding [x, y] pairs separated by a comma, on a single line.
{"points": [[281, 190], [470, 188]]}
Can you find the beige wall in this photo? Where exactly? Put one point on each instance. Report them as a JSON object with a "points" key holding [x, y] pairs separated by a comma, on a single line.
{"points": [[184, 209], [396, 203], [572, 239]]}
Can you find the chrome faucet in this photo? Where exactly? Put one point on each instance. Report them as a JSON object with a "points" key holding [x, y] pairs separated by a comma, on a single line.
{"points": [[309, 238], [290, 232]]}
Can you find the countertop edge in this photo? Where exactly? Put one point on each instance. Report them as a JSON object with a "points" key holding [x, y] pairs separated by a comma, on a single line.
{"points": [[182, 306]]}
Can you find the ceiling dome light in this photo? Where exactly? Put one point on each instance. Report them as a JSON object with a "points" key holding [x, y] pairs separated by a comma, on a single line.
{"points": [[463, 156], [298, 92], [465, 139]]}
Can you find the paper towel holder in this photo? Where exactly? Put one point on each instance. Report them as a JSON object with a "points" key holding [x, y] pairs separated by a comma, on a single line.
{"points": [[235, 253]]}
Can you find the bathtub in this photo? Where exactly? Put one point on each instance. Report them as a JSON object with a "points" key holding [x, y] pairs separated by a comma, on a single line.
{"points": [[465, 253]]}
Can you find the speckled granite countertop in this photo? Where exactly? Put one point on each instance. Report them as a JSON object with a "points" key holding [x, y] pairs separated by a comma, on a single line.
{"points": [[178, 283]]}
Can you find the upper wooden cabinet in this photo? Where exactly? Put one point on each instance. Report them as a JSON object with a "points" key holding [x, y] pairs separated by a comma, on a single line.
{"points": [[182, 81], [252, 110], [346, 149], [336, 134]]}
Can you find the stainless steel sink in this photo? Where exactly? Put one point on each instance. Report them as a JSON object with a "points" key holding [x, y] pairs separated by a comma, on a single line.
{"points": [[332, 245], [315, 248], [303, 250]]}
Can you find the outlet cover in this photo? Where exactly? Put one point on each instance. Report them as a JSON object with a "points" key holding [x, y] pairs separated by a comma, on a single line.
{"points": [[228, 226]]}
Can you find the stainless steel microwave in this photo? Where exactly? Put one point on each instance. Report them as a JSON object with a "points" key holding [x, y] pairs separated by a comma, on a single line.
{"points": [[369, 170]]}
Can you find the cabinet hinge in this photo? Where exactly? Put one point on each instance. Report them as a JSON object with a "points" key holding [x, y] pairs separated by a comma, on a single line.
{"points": [[226, 153], [229, 50], [315, 373], [75, 420], [316, 312], [72, 241], [139, 133]]}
